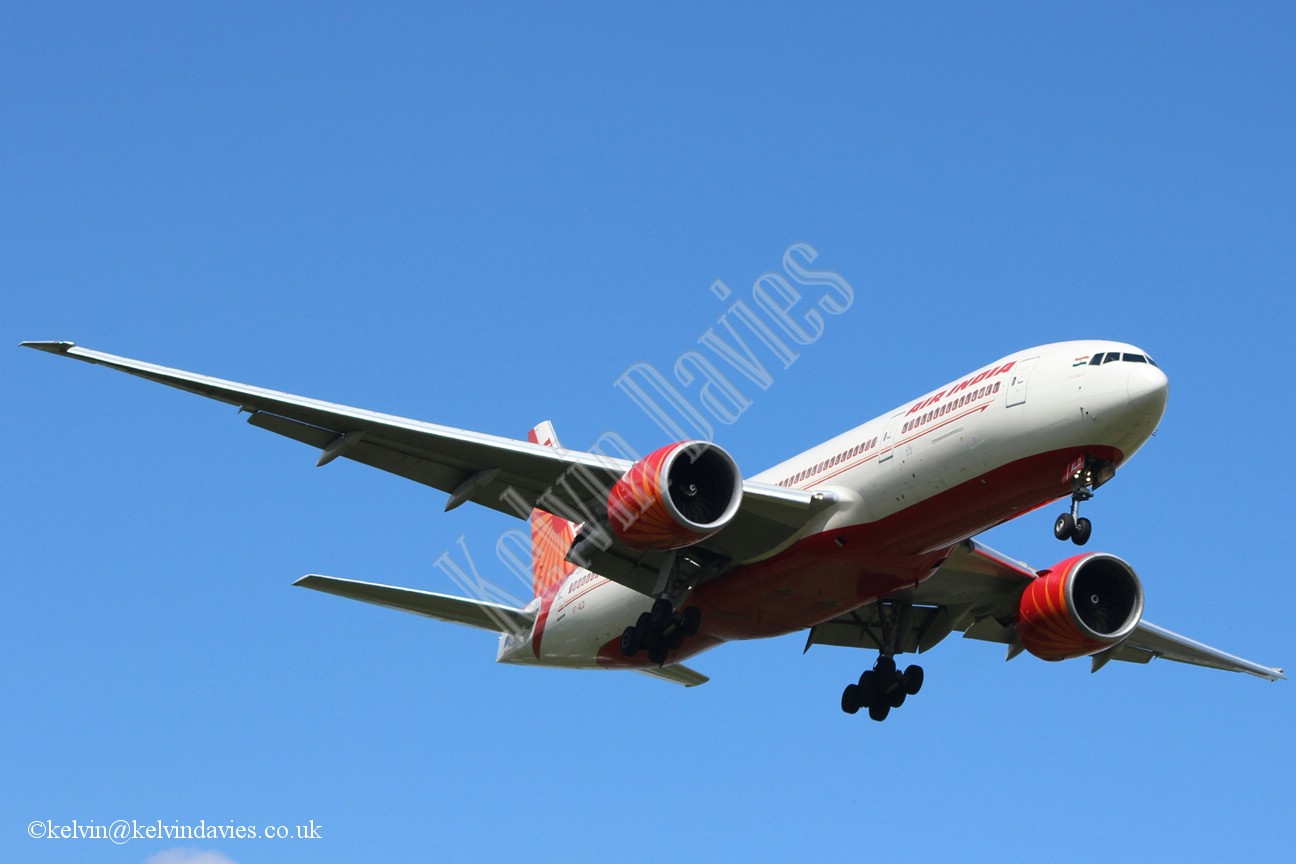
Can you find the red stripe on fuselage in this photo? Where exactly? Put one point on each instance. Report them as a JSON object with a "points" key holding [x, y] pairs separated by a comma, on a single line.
{"points": [[546, 603]]}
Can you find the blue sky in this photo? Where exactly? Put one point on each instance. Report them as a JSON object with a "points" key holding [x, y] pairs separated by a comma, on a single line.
{"points": [[482, 218]]}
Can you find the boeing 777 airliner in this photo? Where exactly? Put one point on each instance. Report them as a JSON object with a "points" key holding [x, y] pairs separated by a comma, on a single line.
{"points": [[866, 540]]}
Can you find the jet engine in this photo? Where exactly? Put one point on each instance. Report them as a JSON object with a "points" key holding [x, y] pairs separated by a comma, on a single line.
{"points": [[676, 496], [1081, 606]]}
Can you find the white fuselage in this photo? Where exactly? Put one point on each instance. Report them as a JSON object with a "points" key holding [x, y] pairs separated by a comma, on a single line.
{"points": [[1012, 427]]}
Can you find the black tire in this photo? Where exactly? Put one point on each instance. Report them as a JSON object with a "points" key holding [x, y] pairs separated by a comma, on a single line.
{"points": [[867, 687], [692, 621], [897, 697], [878, 711], [1065, 526], [1083, 530], [629, 642], [913, 680], [644, 628], [675, 639], [850, 699], [658, 650], [662, 610]]}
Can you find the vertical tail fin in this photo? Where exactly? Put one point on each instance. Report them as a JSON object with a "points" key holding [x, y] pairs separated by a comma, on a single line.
{"points": [[551, 536]]}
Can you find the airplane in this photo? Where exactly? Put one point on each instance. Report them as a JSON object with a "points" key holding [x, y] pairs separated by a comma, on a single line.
{"points": [[866, 540]]}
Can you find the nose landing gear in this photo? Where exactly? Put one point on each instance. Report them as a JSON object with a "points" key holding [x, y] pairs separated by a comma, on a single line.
{"points": [[1072, 526]]}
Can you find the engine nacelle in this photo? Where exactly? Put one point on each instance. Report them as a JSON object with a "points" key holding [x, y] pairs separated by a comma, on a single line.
{"points": [[1081, 606], [676, 496]]}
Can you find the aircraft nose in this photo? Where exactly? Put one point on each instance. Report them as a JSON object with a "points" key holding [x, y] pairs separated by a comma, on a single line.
{"points": [[1148, 389]]}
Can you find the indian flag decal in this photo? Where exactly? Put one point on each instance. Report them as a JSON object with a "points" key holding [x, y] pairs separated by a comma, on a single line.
{"points": [[1080, 361]]}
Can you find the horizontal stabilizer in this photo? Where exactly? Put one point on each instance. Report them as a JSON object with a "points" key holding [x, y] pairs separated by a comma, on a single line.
{"points": [[443, 607], [677, 674]]}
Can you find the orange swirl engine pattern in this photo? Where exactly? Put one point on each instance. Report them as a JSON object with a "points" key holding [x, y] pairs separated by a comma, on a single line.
{"points": [[1081, 606], [676, 496]]}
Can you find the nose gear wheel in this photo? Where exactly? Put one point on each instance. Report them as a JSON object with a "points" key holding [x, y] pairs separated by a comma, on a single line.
{"points": [[1072, 526]]}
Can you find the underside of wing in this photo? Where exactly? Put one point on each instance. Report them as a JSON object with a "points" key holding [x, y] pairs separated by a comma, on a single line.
{"points": [[1149, 640], [974, 592], [977, 592], [508, 475]]}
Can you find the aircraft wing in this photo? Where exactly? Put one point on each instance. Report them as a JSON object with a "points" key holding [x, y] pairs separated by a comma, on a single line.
{"points": [[975, 592], [507, 475]]}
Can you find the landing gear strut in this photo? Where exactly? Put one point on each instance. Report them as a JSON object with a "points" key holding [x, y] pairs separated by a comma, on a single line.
{"points": [[660, 630], [1072, 526], [882, 688]]}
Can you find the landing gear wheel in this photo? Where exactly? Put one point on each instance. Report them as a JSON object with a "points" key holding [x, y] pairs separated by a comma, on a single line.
{"points": [[885, 666], [867, 688], [629, 642], [878, 711], [692, 621], [644, 628], [898, 697], [913, 680], [1083, 528], [658, 650], [662, 610], [1065, 527], [850, 700]]}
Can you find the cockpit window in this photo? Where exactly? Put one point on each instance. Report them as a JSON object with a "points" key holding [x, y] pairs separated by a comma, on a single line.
{"points": [[1117, 357]]}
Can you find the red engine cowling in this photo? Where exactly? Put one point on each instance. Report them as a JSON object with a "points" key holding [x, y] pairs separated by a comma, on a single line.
{"points": [[1081, 606], [675, 497]]}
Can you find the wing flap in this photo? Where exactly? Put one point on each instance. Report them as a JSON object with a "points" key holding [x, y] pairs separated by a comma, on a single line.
{"points": [[459, 610], [919, 629]]}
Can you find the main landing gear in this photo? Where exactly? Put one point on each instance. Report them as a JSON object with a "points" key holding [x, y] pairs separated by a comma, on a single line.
{"points": [[882, 688], [661, 630], [1072, 526]]}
